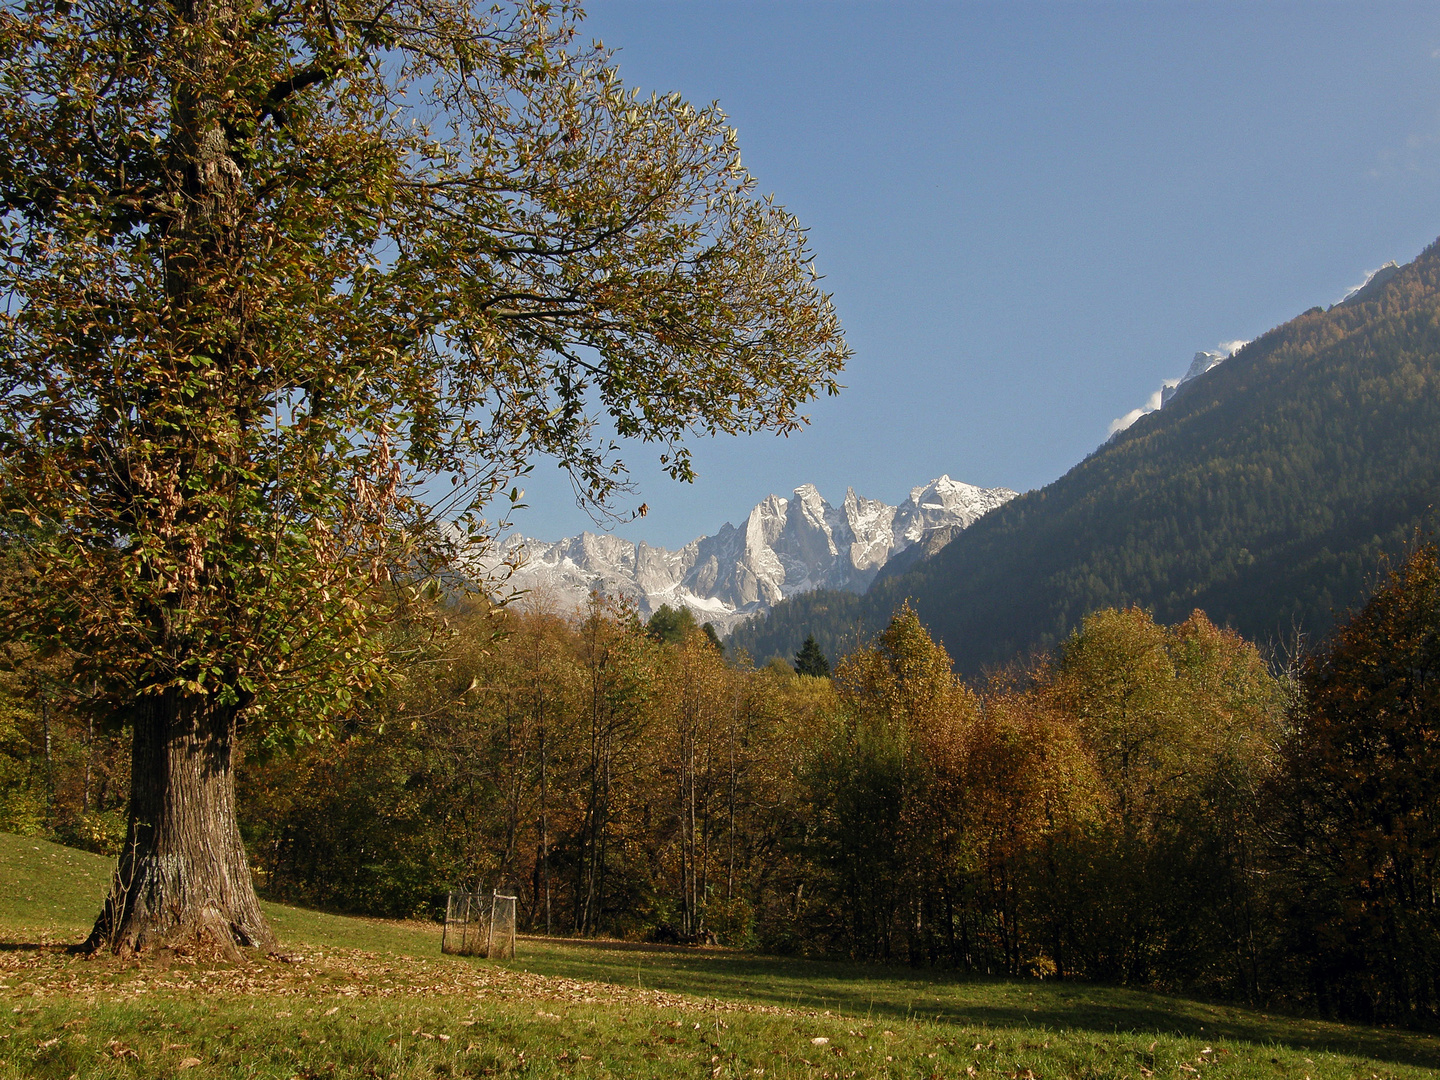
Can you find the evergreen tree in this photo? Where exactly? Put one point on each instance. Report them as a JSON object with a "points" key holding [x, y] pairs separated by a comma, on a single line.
{"points": [[810, 660]]}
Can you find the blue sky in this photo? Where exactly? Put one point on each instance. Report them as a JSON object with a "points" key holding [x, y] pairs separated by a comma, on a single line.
{"points": [[1032, 214]]}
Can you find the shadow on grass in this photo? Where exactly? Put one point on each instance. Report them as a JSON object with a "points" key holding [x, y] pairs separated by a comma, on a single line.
{"points": [[881, 992]]}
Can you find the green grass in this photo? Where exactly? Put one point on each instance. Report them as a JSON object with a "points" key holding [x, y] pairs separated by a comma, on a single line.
{"points": [[890, 993], [53, 893], [369, 998], [48, 890]]}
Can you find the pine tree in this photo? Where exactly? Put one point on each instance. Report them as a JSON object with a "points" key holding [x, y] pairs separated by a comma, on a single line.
{"points": [[810, 660], [670, 625]]}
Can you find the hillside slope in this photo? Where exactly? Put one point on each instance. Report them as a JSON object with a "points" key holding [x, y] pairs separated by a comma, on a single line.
{"points": [[1267, 493]]}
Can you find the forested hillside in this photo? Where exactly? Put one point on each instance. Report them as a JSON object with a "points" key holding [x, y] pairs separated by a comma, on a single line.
{"points": [[1266, 494]]}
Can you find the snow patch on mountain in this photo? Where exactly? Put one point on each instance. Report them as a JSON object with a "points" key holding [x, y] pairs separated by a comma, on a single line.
{"points": [[784, 547], [1374, 279], [1203, 362]]}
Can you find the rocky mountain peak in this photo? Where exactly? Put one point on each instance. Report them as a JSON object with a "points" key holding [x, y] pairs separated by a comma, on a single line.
{"points": [[786, 546]]}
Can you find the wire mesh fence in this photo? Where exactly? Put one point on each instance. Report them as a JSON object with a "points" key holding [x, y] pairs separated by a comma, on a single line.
{"points": [[479, 925]]}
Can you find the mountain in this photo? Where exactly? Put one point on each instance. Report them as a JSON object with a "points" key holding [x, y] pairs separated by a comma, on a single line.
{"points": [[1268, 492], [785, 547], [1204, 360], [1373, 282], [1202, 363]]}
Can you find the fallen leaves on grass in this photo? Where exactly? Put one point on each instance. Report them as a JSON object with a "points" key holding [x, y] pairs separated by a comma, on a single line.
{"points": [[345, 974]]}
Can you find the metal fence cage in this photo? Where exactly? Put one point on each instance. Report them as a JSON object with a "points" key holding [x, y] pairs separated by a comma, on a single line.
{"points": [[479, 925]]}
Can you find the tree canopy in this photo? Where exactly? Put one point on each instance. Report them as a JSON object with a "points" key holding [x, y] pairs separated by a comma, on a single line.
{"points": [[294, 291]]}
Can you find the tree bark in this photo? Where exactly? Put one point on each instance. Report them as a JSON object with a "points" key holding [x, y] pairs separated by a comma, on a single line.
{"points": [[183, 878]]}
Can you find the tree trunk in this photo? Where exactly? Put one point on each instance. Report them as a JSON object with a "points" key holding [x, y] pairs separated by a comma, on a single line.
{"points": [[183, 878]]}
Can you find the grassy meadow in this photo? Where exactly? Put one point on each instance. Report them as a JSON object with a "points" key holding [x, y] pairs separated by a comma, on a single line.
{"points": [[375, 999]]}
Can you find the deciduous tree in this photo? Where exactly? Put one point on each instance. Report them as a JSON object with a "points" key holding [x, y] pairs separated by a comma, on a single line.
{"points": [[1361, 798], [291, 284]]}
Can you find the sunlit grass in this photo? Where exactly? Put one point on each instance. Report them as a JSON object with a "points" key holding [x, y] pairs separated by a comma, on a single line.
{"points": [[371, 998]]}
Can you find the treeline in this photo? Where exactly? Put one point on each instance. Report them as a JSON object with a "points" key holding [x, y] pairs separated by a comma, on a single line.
{"points": [[1153, 805], [62, 776], [1095, 816], [1264, 494], [840, 622], [618, 782]]}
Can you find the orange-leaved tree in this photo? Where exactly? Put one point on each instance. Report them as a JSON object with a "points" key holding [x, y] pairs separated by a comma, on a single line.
{"points": [[887, 789], [1182, 722]]}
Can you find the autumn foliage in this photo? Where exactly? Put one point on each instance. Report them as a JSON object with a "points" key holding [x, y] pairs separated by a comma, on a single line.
{"points": [[1151, 805], [1360, 798]]}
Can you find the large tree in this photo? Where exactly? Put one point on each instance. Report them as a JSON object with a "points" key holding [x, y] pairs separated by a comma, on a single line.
{"points": [[1359, 826], [294, 288]]}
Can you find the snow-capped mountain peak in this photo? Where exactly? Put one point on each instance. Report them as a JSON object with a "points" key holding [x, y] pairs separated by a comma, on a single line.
{"points": [[786, 546], [1203, 361]]}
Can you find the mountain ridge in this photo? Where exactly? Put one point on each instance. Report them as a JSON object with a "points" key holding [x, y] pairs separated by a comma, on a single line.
{"points": [[1268, 494], [783, 548]]}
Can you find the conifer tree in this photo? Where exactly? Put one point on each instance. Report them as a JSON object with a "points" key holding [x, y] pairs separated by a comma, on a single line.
{"points": [[810, 660], [670, 625]]}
